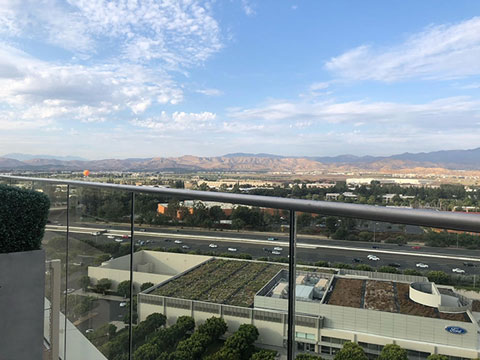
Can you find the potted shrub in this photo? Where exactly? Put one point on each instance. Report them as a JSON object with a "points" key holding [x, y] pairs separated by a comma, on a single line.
{"points": [[23, 216]]}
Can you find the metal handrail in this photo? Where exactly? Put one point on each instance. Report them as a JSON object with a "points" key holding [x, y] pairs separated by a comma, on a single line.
{"points": [[430, 218]]}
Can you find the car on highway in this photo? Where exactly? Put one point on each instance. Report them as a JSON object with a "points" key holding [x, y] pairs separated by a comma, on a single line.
{"points": [[395, 265], [277, 248], [168, 240], [119, 240], [88, 331], [422, 265], [142, 230], [375, 247], [232, 249], [357, 260], [272, 238], [468, 264], [95, 233], [276, 252], [213, 246], [185, 247], [458, 271], [126, 236], [416, 247], [178, 241], [68, 291], [110, 237], [123, 304], [373, 257]]}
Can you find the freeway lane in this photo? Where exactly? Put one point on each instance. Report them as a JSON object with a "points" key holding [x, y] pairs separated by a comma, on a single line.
{"points": [[306, 239], [303, 241], [306, 251]]}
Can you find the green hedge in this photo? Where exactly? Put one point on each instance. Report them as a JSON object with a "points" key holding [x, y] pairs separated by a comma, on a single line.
{"points": [[23, 216]]}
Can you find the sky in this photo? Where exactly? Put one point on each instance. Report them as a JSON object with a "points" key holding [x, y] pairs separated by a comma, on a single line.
{"points": [[131, 78]]}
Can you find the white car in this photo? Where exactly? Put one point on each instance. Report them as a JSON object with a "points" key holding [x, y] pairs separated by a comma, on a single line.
{"points": [[185, 247], [178, 241], [422, 265], [68, 291], [213, 246], [88, 331], [275, 252], [373, 257], [123, 304], [119, 240], [232, 249], [458, 271], [110, 237], [277, 248]]}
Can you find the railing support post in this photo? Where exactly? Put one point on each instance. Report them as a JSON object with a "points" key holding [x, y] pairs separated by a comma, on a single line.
{"points": [[67, 238], [292, 269]]}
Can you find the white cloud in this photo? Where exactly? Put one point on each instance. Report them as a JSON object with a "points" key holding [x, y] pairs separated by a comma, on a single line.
{"points": [[248, 8], [178, 121], [175, 33], [319, 86], [210, 92], [453, 112], [438, 52]]}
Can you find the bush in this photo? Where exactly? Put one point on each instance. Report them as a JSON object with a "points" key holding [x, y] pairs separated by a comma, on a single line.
{"points": [[23, 216]]}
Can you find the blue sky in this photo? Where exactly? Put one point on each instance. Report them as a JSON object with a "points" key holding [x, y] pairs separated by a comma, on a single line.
{"points": [[117, 79]]}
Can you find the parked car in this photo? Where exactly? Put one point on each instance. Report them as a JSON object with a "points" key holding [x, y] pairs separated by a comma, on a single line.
{"points": [[178, 241], [232, 249], [422, 265], [213, 246], [458, 271]]}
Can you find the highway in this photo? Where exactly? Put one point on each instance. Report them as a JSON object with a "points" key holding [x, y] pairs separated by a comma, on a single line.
{"points": [[309, 248]]}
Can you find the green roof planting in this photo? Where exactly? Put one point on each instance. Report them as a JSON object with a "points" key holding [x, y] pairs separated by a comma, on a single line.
{"points": [[229, 282]]}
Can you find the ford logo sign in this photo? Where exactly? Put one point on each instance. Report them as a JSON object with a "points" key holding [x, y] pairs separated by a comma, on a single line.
{"points": [[456, 330]]}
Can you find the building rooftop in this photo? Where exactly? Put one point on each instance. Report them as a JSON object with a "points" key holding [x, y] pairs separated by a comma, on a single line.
{"points": [[389, 296], [229, 282]]}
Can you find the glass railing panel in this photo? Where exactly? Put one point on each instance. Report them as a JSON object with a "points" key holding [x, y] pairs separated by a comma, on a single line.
{"points": [[54, 244], [99, 262], [198, 260], [354, 284]]}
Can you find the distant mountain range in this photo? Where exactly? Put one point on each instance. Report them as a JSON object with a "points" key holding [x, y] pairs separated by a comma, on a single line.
{"points": [[447, 159]]}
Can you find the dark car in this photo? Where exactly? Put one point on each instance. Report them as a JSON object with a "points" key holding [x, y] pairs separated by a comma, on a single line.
{"points": [[468, 264], [356, 260], [168, 240], [395, 265], [375, 247]]}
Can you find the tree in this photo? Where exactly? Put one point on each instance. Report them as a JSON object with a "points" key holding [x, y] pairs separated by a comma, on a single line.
{"points": [[123, 289], [437, 357], [264, 355], [438, 277], [388, 269], [147, 351], [103, 285], [331, 224], [84, 282], [146, 286], [308, 357], [393, 352], [351, 351]]}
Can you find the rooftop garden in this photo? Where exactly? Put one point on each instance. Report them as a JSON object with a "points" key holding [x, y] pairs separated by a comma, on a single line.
{"points": [[221, 281], [384, 296]]}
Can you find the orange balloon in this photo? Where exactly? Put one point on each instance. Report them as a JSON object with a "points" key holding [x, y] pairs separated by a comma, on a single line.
{"points": [[86, 173]]}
